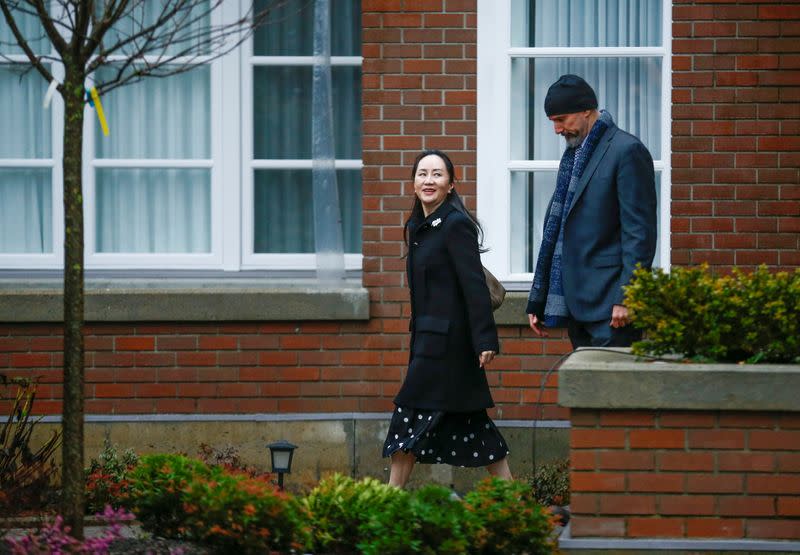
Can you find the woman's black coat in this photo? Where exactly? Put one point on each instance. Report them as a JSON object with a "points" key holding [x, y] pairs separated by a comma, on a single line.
{"points": [[451, 315]]}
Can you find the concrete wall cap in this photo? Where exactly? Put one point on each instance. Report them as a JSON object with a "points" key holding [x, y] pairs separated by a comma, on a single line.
{"points": [[613, 378], [183, 300]]}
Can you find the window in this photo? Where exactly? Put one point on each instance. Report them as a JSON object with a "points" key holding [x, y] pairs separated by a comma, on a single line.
{"points": [[278, 217], [621, 47], [208, 169], [29, 196]]}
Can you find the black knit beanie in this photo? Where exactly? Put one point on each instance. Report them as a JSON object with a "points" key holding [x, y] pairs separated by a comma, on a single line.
{"points": [[568, 95]]}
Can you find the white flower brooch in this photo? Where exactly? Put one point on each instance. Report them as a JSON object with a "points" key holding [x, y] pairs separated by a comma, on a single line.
{"points": [[436, 222]]}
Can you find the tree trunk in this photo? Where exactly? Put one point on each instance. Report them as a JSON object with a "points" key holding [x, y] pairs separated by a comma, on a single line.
{"points": [[72, 479]]}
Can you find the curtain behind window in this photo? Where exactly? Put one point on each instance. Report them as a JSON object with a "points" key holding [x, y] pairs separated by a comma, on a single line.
{"points": [[282, 125], [26, 217], [31, 29], [151, 210], [289, 30], [628, 87], [25, 193]]}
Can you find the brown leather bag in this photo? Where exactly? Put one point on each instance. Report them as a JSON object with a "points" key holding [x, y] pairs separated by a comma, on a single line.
{"points": [[496, 290]]}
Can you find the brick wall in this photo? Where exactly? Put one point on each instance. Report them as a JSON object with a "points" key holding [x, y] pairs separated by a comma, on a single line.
{"points": [[736, 133], [649, 474], [736, 200], [419, 92]]}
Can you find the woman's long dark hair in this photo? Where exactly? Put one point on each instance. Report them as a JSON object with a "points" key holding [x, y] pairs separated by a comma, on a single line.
{"points": [[452, 197]]}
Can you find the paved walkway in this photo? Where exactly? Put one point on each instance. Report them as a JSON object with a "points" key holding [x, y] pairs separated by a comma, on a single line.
{"points": [[127, 531]]}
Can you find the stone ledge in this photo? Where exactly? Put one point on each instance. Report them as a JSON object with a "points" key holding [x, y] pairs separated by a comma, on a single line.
{"points": [[512, 311], [186, 301], [667, 546], [613, 379]]}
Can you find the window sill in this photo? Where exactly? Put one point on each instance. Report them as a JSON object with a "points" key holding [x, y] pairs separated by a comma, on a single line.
{"points": [[186, 300], [512, 311]]}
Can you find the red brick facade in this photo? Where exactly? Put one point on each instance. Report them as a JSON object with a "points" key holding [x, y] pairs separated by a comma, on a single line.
{"points": [[735, 200], [646, 474], [736, 134], [239, 368], [418, 92]]}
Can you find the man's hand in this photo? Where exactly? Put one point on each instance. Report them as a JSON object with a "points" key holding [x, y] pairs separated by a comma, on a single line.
{"points": [[537, 326], [619, 316], [486, 357]]}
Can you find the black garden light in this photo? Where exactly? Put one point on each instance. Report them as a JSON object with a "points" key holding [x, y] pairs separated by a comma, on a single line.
{"points": [[281, 453]]}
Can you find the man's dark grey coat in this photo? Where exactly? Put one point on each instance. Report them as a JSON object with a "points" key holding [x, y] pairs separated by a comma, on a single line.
{"points": [[610, 227]]}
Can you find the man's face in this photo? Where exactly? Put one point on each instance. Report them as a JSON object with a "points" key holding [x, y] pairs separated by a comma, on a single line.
{"points": [[573, 127]]}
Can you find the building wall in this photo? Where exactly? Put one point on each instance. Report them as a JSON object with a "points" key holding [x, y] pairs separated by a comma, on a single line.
{"points": [[735, 200], [418, 92], [736, 134], [685, 474]]}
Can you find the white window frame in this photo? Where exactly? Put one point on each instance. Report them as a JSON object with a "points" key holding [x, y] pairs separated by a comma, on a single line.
{"points": [[15, 261], [200, 261], [494, 162], [231, 164], [278, 261]]}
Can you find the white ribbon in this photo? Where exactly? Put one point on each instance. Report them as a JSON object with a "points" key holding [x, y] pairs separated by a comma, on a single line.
{"points": [[48, 96]]}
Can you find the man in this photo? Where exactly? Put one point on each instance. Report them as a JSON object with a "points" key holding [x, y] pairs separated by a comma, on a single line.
{"points": [[600, 224]]}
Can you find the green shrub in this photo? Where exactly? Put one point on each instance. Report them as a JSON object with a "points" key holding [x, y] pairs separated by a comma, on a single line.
{"points": [[445, 525], [237, 513], [389, 528], [177, 497], [752, 317], [428, 521], [107, 478], [550, 483], [340, 509], [372, 518], [157, 487], [511, 521]]}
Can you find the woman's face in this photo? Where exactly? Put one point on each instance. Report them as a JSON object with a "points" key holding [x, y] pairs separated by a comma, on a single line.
{"points": [[431, 183]]}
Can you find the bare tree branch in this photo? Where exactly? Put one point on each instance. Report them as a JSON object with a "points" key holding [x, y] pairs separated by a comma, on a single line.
{"points": [[23, 43], [149, 32], [182, 48], [112, 13], [47, 23], [83, 17], [65, 7]]}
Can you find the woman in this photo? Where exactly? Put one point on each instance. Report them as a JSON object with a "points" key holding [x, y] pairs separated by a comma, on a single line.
{"points": [[440, 414]]}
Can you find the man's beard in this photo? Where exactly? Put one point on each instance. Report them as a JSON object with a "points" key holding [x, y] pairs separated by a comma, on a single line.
{"points": [[573, 140]]}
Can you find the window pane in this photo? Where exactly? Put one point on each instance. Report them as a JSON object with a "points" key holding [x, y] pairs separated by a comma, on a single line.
{"points": [[31, 30], [289, 28], [282, 112], [158, 118], [21, 111], [629, 88], [26, 210], [283, 211], [153, 210], [185, 32], [530, 197], [586, 23]]}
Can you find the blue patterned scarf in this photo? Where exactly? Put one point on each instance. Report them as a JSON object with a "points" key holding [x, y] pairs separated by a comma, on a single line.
{"points": [[547, 290]]}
